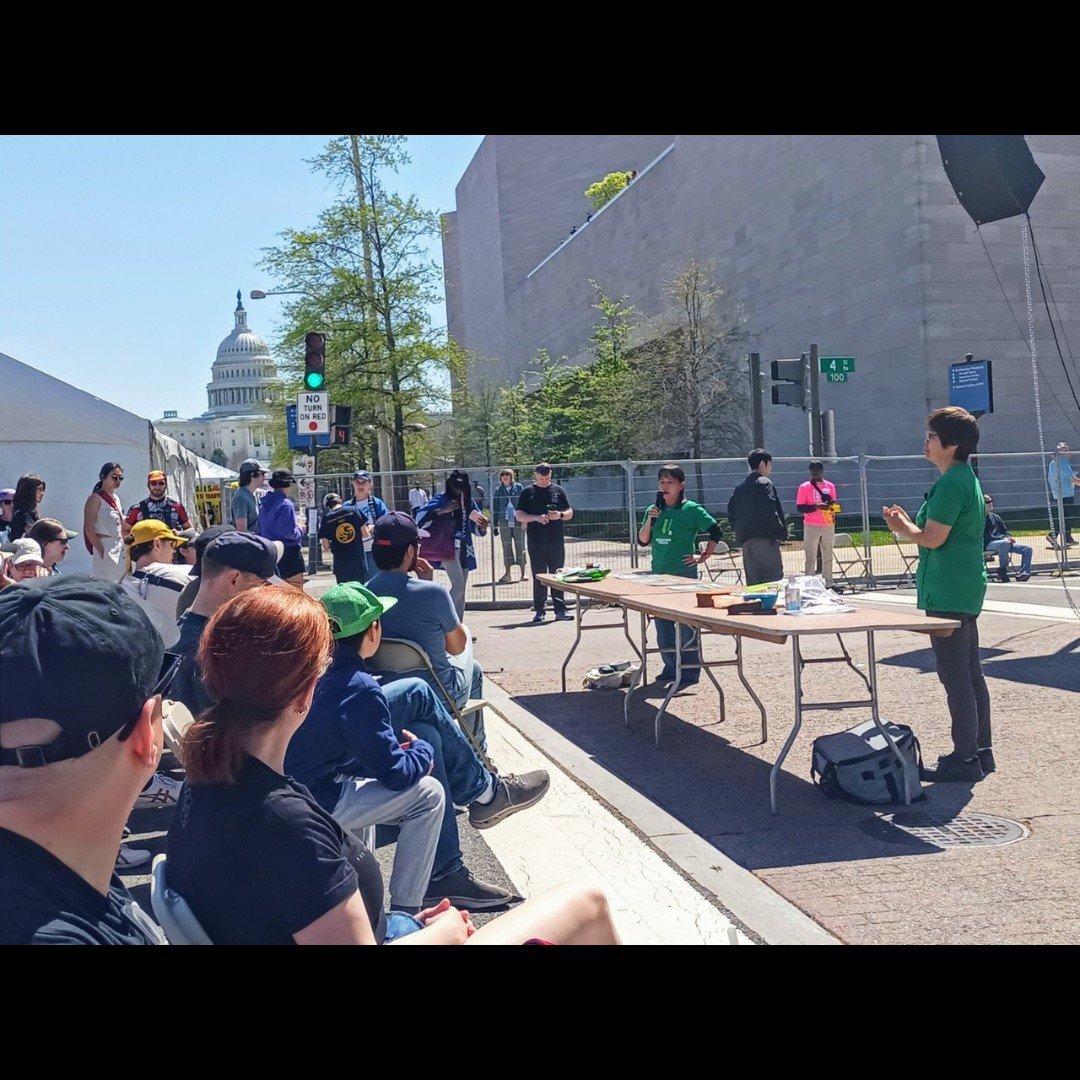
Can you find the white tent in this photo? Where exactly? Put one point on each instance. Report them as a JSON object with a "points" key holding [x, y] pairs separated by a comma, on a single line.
{"points": [[65, 435]]}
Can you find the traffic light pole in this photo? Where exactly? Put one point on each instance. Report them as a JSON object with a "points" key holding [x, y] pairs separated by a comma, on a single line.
{"points": [[756, 391], [313, 534], [815, 404]]}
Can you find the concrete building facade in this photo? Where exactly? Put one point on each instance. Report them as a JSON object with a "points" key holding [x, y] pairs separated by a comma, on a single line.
{"points": [[854, 242]]}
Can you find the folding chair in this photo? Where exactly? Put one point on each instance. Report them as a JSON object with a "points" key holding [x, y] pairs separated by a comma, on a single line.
{"points": [[397, 656], [846, 556], [176, 718], [172, 910], [724, 553], [910, 562]]}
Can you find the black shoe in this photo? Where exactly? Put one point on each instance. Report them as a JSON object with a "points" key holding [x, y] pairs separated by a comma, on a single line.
{"points": [[538, 617], [463, 890], [1003, 578], [562, 616], [953, 769], [986, 760]]}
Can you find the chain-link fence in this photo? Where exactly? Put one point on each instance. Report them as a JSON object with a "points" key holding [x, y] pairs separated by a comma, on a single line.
{"points": [[610, 499]]}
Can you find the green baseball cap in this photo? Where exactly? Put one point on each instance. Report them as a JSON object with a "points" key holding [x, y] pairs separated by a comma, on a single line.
{"points": [[353, 608]]}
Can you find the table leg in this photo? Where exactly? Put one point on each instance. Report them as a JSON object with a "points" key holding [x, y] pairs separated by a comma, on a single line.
{"points": [[578, 611], [712, 677], [671, 690], [796, 660], [640, 677], [872, 665], [750, 690]]}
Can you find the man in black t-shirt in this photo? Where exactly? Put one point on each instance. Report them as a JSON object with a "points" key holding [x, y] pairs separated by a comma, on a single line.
{"points": [[343, 531], [543, 508], [78, 711]]}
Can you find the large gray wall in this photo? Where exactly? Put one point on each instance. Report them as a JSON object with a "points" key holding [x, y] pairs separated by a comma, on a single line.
{"points": [[856, 243]]}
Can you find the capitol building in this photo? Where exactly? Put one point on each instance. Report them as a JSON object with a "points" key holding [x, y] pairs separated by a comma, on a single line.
{"points": [[239, 394]]}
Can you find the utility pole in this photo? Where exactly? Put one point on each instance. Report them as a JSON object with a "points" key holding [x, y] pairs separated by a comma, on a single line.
{"points": [[815, 404], [386, 463]]}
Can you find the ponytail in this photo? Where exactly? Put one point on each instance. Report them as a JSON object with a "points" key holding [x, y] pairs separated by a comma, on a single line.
{"points": [[215, 745]]}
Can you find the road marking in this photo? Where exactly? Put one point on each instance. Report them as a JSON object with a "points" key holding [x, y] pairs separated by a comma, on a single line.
{"points": [[996, 607]]}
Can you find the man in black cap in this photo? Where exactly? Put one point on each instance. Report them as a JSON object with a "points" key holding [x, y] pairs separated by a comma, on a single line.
{"points": [[371, 506], [80, 734], [244, 508], [542, 508], [345, 530], [199, 546], [231, 564]]}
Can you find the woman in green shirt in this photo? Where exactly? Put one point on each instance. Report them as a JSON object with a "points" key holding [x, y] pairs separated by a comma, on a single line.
{"points": [[951, 583], [672, 532]]}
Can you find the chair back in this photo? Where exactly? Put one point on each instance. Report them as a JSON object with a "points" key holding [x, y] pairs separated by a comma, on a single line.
{"points": [[172, 910], [843, 540], [176, 718], [396, 655]]}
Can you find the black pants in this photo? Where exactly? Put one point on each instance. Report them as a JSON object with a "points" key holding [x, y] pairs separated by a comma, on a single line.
{"points": [[547, 554], [960, 672]]}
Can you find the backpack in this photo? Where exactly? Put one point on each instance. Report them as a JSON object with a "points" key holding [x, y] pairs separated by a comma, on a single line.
{"points": [[857, 765]]}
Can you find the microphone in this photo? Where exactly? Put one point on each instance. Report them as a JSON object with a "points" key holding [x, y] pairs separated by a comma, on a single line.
{"points": [[660, 500]]}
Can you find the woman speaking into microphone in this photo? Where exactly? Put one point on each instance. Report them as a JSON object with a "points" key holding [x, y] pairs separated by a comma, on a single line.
{"points": [[671, 527]]}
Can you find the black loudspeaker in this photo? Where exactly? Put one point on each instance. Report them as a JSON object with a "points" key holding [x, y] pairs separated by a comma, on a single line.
{"points": [[994, 176]]}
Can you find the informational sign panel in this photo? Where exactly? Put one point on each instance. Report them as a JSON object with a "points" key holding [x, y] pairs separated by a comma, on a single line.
{"points": [[313, 413], [303, 493], [299, 440], [971, 386], [836, 365]]}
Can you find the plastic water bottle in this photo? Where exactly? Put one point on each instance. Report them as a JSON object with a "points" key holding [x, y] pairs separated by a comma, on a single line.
{"points": [[792, 598]]}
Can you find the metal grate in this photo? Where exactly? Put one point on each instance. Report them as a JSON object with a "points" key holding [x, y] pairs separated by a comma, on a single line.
{"points": [[943, 830]]}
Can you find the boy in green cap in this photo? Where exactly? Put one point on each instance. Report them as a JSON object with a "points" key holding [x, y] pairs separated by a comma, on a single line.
{"points": [[361, 740]]}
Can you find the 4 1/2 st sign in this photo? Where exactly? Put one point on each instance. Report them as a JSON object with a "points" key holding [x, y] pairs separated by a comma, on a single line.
{"points": [[312, 414]]}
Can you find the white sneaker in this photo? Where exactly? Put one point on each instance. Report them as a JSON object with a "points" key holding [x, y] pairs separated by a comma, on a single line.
{"points": [[163, 791], [129, 858]]}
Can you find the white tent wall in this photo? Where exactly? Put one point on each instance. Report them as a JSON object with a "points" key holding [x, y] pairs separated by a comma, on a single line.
{"points": [[65, 435], [181, 467]]}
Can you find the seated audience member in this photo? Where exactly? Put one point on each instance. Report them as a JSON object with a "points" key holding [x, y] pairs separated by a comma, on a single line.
{"points": [[197, 547], [232, 563], [362, 750], [425, 614], [996, 538], [54, 540], [255, 856], [72, 761], [24, 561], [153, 579], [344, 530]]}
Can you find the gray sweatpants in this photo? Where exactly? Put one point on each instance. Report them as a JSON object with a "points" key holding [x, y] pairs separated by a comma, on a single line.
{"points": [[761, 560]]}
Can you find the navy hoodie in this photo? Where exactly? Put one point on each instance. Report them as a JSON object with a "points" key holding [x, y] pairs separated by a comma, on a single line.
{"points": [[349, 731]]}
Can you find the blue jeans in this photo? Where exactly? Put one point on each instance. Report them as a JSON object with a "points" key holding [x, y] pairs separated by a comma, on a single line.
{"points": [[1004, 548], [665, 639], [416, 707]]}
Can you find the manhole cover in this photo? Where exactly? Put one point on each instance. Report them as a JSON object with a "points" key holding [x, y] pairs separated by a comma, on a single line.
{"points": [[944, 830]]}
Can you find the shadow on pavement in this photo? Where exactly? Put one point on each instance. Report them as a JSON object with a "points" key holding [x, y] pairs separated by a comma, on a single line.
{"points": [[704, 777]]}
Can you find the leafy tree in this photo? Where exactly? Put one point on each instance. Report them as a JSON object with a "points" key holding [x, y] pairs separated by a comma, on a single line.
{"points": [[218, 457], [603, 191]]}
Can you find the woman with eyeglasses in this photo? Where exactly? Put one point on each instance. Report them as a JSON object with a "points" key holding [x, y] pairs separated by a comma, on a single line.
{"points": [[29, 492], [103, 518], [951, 584], [53, 539]]}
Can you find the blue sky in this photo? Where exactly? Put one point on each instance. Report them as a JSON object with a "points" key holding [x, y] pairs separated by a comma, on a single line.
{"points": [[120, 255]]}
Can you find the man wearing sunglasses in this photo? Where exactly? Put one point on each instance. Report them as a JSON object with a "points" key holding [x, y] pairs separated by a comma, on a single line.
{"points": [[80, 735], [54, 540], [158, 507], [7, 511]]}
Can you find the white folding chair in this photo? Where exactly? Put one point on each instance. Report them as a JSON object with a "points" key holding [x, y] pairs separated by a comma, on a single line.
{"points": [[176, 718], [172, 910], [911, 562], [846, 556], [397, 656]]}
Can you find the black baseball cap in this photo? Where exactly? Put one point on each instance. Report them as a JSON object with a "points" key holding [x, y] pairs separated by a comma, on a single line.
{"points": [[397, 529], [202, 542], [816, 464], [78, 651], [247, 552], [361, 474]]}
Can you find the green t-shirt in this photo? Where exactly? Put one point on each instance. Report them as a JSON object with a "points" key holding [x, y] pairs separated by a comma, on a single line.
{"points": [[674, 534], [953, 576]]}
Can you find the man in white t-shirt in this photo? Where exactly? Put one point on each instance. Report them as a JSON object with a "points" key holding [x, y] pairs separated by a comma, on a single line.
{"points": [[153, 578], [417, 497]]}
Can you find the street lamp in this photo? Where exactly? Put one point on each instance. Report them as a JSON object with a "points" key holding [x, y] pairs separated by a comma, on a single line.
{"points": [[262, 294]]}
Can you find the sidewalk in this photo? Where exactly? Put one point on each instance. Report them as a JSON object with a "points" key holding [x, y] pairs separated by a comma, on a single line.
{"points": [[827, 858]]}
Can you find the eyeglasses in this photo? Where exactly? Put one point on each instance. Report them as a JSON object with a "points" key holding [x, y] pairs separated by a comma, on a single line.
{"points": [[7, 502], [928, 435]]}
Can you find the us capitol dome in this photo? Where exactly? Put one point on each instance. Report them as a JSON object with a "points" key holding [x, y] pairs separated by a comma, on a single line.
{"points": [[239, 396]]}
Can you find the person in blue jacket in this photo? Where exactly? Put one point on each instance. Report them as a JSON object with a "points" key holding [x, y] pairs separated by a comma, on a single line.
{"points": [[457, 499], [371, 506], [358, 755], [278, 520]]}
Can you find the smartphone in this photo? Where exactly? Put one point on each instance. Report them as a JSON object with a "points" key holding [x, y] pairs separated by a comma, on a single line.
{"points": [[659, 500]]}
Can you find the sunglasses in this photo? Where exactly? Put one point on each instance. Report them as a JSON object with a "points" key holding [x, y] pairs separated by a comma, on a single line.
{"points": [[118, 479], [170, 666], [7, 502]]}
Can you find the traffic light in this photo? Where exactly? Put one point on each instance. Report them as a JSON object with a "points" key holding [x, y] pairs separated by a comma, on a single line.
{"points": [[314, 361], [341, 425], [793, 380]]}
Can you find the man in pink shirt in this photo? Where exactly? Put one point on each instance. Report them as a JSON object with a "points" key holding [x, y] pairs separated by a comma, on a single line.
{"points": [[816, 501]]}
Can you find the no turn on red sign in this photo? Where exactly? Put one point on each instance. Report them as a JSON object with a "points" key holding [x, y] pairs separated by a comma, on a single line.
{"points": [[312, 414]]}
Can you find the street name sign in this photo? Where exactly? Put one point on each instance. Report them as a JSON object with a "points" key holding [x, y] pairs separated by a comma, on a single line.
{"points": [[836, 365]]}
